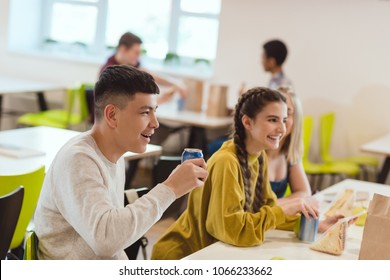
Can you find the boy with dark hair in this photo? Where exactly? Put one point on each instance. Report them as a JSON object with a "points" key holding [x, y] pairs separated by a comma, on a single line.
{"points": [[80, 213], [274, 54], [128, 52]]}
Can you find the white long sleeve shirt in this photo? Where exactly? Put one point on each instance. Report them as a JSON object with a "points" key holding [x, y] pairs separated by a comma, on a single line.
{"points": [[80, 212]]}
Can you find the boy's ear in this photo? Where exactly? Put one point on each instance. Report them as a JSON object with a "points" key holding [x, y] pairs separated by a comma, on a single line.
{"points": [[110, 115]]}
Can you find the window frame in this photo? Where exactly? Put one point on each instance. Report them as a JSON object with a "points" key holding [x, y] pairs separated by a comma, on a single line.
{"points": [[98, 47]]}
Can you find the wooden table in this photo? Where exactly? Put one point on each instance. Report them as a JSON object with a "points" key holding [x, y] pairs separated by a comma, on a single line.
{"points": [[198, 122], [47, 140], [11, 86], [278, 243], [380, 146]]}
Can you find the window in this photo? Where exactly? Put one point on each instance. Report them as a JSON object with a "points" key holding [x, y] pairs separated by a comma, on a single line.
{"points": [[197, 29], [73, 23], [186, 28], [151, 24]]}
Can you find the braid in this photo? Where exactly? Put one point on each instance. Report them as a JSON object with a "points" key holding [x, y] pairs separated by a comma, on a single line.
{"points": [[258, 201], [242, 154], [250, 103]]}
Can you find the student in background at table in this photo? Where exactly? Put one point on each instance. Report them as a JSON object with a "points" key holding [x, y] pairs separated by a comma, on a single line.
{"points": [[273, 57], [80, 212], [128, 52], [284, 164], [236, 204]]}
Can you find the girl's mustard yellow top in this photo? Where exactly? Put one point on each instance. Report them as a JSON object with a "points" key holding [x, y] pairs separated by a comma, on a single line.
{"points": [[216, 211]]}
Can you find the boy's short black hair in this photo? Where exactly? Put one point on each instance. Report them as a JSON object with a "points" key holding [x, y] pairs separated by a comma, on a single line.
{"points": [[276, 49], [119, 83]]}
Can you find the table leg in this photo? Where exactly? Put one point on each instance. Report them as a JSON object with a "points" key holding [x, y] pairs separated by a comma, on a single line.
{"points": [[382, 175], [42, 101]]}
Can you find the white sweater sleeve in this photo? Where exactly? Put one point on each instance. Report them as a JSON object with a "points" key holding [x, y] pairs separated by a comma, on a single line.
{"points": [[87, 204]]}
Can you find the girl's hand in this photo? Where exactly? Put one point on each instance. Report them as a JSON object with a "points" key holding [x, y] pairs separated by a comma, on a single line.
{"points": [[300, 205], [325, 224]]}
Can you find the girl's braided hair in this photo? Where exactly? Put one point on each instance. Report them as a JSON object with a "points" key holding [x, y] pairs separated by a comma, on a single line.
{"points": [[251, 103]]}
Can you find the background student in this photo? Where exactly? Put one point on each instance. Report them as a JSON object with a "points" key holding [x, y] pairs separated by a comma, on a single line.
{"points": [[273, 57]]}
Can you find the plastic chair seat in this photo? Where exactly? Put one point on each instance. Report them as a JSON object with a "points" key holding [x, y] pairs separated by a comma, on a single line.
{"points": [[359, 160], [61, 118], [331, 168], [52, 118]]}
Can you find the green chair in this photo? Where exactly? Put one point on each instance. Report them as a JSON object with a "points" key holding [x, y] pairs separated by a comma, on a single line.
{"points": [[321, 169], [288, 191], [32, 183], [61, 118], [326, 131], [31, 247]]}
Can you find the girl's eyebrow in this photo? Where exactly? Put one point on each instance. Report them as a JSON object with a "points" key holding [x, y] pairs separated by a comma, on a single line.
{"points": [[272, 116]]}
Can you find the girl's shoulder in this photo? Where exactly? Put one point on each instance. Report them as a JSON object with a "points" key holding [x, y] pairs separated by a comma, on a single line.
{"points": [[225, 155]]}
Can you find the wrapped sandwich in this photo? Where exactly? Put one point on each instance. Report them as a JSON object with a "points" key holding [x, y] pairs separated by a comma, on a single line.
{"points": [[333, 240], [343, 204]]}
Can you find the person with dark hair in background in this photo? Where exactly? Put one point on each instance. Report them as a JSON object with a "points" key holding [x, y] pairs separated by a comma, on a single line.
{"points": [[81, 212], [274, 55], [128, 52]]}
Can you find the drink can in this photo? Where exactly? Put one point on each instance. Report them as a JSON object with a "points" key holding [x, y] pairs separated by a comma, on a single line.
{"points": [[190, 153], [308, 229]]}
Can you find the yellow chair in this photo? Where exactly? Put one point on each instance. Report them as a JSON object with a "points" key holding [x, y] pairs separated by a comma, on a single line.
{"points": [[320, 169], [326, 131], [61, 118], [31, 247], [288, 191], [32, 183]]}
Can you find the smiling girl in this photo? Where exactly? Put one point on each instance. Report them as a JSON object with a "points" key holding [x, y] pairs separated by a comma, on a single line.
{"points": [[236, 204]]}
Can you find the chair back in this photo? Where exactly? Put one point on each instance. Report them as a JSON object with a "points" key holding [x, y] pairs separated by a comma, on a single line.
{"points": [[32, 183], [31, 247], [10, 206], [326, 130], [307, 129], [76, 95]]}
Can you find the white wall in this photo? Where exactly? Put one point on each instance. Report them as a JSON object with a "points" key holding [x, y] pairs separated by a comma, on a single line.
{"points": [[339, 58]]}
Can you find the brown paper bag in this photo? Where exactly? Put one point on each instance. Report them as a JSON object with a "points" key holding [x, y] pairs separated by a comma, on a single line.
{"points": [[376, 236], [193, 101], [217, 102]]}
